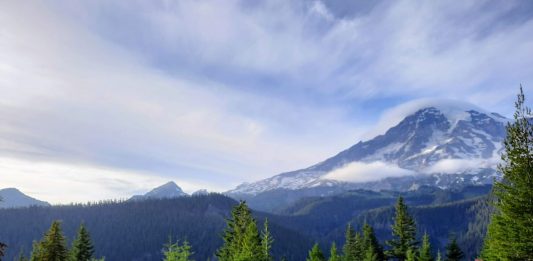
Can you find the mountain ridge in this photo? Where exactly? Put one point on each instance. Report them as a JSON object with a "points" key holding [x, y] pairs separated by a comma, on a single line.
{"points": [[430, 143], [14, 198]]}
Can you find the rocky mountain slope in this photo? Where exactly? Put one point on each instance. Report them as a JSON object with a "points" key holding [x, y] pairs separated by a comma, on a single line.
{"points": [[167, 190], [442, 144]]}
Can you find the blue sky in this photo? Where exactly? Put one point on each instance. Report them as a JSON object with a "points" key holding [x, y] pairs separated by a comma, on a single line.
{"points": [[103, 99]]}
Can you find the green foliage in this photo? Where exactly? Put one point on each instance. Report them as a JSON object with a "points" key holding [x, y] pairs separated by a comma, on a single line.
{"points": [[353, 248], [242, 241], [403, 232], [410, 255], [370, 245], [453, 252], [439, 257], [510, 233], [53, 246], [266, 242], [177, 252], [425, 249], [333, 253], [82, 247], [315, 254]]}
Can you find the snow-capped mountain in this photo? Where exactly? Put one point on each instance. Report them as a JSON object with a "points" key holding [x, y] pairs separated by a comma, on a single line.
{"points": [[13, 198], [168, 190], [424, 148]]}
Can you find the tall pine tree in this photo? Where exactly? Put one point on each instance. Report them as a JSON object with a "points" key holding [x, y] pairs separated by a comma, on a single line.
{"points": [[53, 246], [350, 245], [510, 232], [315, 254], [333, 254], [266, 242], [371, 247], [425, 249], [453, 252], [82, 248], [242, 241], [403, 232]]}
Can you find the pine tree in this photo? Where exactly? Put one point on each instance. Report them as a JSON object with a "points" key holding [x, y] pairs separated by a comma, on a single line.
{"points": [[333, 254], [241, 237], [439, 257], [316, 254], [177, 252], [453, 252], [403, 232], [37, 252], [359, 247], [410, 255], [425, 249], [371, 246], [350, 249], [266, 242], [510, 232], [53, 246], [82, 248]]}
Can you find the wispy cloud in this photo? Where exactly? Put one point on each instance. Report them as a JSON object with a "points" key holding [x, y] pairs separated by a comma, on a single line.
{"points": [[364, 172], [202, 91]]}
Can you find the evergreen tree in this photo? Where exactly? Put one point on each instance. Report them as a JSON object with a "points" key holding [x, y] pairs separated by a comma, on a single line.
{"points": [[439, 257], [37, 252], [371, 246], [425, 249], [82, 248], [251, 245], [177, 252], [316, 254], [350, 246], [370, 256], [410, 255], [510, 233], [453, 252], [359, 247], [333, 255], [241, 237], [266, 242], [53, 246], [403, 232]]}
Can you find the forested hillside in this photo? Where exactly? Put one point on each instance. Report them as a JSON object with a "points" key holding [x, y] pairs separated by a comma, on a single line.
{"points": [[147, 225], [138, 230]]}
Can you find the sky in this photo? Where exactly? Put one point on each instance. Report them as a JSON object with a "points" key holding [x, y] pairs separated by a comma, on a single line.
{"points": [[106, 99]]}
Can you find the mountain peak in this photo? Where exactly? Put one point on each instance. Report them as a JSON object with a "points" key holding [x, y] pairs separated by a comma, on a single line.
{"points": [[14, 198], [167, 190], [428, 137]]}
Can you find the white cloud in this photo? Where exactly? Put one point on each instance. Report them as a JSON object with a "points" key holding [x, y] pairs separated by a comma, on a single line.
{"points": [[455, 166], [364, 172], [69, 97], [453, 109]]}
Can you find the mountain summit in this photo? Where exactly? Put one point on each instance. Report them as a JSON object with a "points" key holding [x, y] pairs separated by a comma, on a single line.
{"points": [[422, 149], [167, 190], [13, 198]]}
